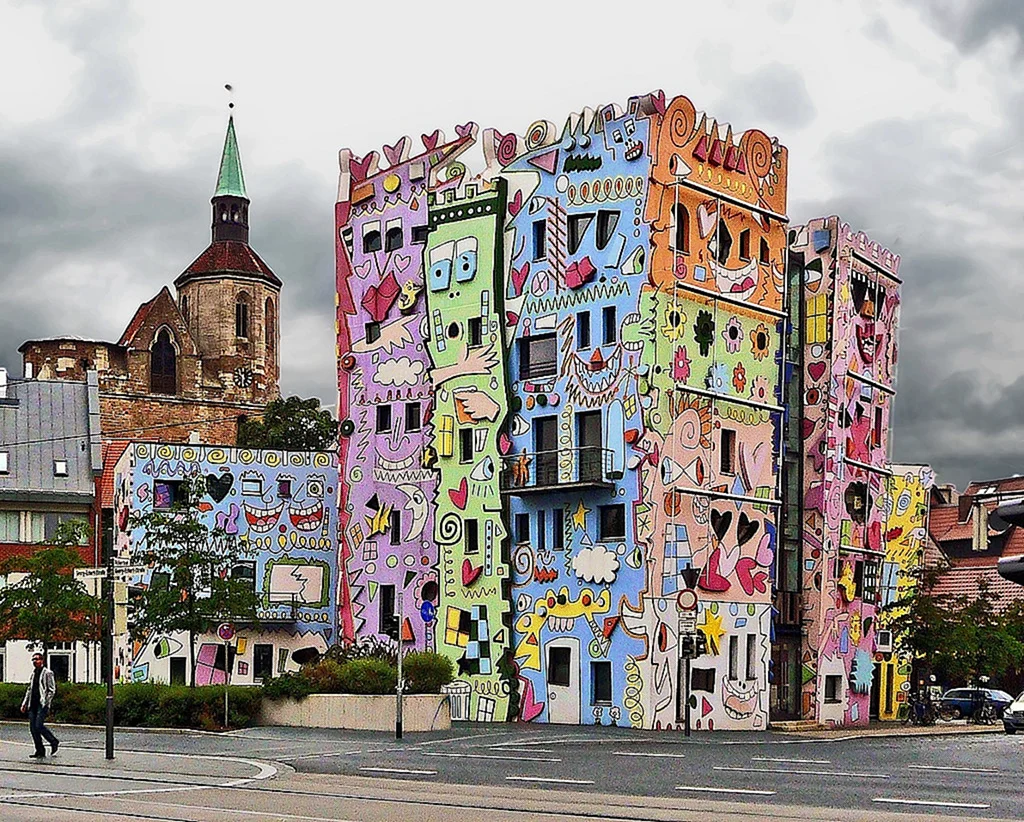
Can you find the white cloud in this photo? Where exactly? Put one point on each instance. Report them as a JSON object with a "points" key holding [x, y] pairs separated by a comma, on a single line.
{"points": [[596, 564], [403, 371]]}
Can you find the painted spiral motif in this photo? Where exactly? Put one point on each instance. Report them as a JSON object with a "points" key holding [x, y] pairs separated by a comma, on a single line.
{"points": [[522, 562], [758, 147], [682, 118], [449, 529], [631, 698], [507, 149], [538, 134]]}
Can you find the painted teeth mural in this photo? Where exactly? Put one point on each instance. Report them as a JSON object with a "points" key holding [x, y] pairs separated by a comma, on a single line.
{"points": [[560, 401]]}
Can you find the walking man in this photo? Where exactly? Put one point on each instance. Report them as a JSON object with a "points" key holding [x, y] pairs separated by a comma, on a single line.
{"points": [[38, 700]]}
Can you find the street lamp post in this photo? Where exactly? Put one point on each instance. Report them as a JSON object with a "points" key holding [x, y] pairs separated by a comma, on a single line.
{"points": [[398, 686], [108, 641]]}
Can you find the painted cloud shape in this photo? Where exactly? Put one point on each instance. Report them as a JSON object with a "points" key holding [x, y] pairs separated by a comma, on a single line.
{"points": [[402, 371], [596, 564]]}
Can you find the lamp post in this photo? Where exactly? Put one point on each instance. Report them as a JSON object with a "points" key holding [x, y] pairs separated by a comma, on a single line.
{"points": [[687, 601], [108, 642]]}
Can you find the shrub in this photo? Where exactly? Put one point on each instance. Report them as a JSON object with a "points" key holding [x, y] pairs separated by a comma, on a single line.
{"points": [[295, 686], [367, 676], [11, 694], [324, 677], [425, 672], [368, 648]]}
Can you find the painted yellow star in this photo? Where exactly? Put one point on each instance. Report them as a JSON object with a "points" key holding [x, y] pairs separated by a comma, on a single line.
{"points": [[579, 517], [713, 632]]}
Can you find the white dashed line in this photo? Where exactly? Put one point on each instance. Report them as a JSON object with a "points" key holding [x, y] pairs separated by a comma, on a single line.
{"points": [[705, 789], [399, 770], [549, 780], [803, 771], [651, 755], [951, 768], [790, 761], [890, 801], [494, 756]]}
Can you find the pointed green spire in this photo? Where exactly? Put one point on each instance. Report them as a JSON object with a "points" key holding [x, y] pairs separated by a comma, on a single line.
{"points": [[230, 182]]}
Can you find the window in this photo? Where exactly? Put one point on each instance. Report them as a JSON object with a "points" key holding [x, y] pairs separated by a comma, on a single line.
{"points": [[472, 536], [252, 486], [184, 307], [606, 222], [542, 531], [242, 317], [765, 255], [245, 572], [393, 237], [751, 656], [833, 687], [163, 365], [60, 468], [371, 237], [558, 529], [876, 432], [10, 526], [727, 455], [474, 326], [537, 357], [816, 329], [577, 228], [5, 462], [165, 494], [540, 240], [583, 329], [51, 522], [465, 445], [269, 330], [262, 661], [702, 679], [724, 242], [413, 418], [559, 661], [387, 606], [609, 324], [601, 683], [745, 244], [372, 332], [613, 522], [395, 526], [522, 527], [383, 419], [734, 657], [420, 233], [869, 580], [60, 664], [681, 236]]}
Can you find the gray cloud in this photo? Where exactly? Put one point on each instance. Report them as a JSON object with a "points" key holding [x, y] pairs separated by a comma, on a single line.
{"points": [[775, 95], [972, 24]]}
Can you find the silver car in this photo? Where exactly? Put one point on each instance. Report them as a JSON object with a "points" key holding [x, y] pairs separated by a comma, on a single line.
{"points": [[1013, 716]]}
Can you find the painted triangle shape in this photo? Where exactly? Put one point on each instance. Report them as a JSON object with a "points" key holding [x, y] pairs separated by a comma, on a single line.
{"points": [[372, 588], [499, 637], [548, 161]]}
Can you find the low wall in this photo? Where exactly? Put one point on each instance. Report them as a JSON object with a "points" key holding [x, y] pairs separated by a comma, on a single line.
{"points": [[420, 712]]}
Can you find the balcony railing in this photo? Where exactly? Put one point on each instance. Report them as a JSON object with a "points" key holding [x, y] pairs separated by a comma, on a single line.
{"points": [[589, 467]]}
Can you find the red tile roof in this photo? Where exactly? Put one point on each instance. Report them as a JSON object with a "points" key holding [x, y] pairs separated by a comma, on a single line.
{"points": [[963, 581], [226, 256], [1007, 485], [112, 451], [136, 322]]}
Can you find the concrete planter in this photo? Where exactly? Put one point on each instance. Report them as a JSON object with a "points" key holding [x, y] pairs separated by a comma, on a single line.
{"points": [[420, 712]]}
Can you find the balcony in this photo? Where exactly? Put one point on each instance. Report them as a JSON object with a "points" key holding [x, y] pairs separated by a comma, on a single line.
{"points": [[560, 469]]}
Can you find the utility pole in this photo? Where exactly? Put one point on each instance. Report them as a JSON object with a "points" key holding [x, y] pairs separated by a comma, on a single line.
{"points": [[686, 694], [108, 641], [399, 686]]}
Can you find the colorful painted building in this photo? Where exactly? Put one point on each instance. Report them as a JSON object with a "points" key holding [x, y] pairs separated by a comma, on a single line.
{"points": [[850, 318], [592, 327], [281, 507]]}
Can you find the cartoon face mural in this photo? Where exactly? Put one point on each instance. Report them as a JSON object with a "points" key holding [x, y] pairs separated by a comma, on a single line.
{"points": [[851, 310], [281, 508]]}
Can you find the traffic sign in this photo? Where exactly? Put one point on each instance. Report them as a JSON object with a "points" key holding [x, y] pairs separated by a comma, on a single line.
{"points": [[90, 573], [226, 631], [687, 622], [687, 600], [130, 570]]}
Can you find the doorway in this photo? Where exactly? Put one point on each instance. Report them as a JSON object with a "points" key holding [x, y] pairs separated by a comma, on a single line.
{"points": [[589, 440], [563, 677], [545, 444]]}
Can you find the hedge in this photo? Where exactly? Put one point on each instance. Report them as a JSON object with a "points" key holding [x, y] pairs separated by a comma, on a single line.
{"points": [[425, 672], [142, 705]]}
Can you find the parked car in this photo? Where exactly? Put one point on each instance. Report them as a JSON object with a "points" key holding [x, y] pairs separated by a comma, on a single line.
{"points": [[1013, 716], [965, 701]]}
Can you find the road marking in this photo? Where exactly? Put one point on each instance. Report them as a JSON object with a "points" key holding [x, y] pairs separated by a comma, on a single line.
{"points": [[704, 789], [652, 755], [531, 751], [792, 761], [802, 771], [399, 770], [493, 756], [450, 740], [950, 768], [890, 801], [549, 780]]}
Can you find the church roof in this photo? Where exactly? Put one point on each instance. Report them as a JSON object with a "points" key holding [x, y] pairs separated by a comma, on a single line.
{"points": [[230, 181], [228, 257]]}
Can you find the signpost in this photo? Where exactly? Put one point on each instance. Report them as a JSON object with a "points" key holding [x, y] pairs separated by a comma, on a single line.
{"points": [[687, 602], [398, 688], [226, 631]]}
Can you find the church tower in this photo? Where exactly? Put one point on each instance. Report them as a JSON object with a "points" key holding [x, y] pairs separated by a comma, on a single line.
{"points": [[230, 299]]}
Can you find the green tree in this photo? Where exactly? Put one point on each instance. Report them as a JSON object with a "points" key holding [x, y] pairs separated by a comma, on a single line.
{"points": [[48, 604], [192, 588], [292, 424]]}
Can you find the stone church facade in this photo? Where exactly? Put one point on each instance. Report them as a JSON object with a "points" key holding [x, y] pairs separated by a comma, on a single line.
{"points": [[187, 366]]}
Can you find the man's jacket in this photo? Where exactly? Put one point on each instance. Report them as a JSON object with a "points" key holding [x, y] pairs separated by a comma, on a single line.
{"points": [[47, 689]]}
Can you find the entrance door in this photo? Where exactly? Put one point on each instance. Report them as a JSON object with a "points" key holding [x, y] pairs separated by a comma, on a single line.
{"points": [[589, 440], [564, 681], [545, 444], [785, 690], [876, 688]]}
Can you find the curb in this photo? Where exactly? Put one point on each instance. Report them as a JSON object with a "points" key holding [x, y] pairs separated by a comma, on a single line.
{"points": [[122, 729]]}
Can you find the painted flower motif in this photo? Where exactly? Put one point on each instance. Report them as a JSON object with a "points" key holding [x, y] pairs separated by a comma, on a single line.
{"points": [[733, 335], [675, 323], [717, 377], [739, 378], [681, 365], [760, 341], [760, 389], [704, 331]]}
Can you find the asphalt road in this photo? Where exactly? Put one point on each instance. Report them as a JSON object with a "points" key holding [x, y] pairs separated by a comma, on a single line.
{"points": [[520, 773]]}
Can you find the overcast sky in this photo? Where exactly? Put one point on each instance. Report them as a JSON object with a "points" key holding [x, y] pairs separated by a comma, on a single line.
{"points": [[903, 116]]}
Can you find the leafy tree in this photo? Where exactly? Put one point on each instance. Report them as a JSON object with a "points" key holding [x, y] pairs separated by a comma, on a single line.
{"points": [[48, 604], [292, 424], [192, 587]]}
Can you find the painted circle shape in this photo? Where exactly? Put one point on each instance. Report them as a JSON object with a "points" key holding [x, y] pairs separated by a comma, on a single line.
{"points": [[687, 600], [391, 183]]}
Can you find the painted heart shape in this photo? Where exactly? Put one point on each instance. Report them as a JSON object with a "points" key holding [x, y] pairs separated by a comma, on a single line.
{"points": [[511, 319], [516, 205], [467, 130], [710, 579], [204, 507], [363, 270], [750, 582], [529, 707], [658, 101], [470, 573], [430, 141], [746, 529], [362, 168], [807, 426], [706, 219], [504, 443], [397, 153], [219, 486], [402, 262], [720, 522], [460, 495], [579, 273], [519, 276], [816, 370], [765, 554]]}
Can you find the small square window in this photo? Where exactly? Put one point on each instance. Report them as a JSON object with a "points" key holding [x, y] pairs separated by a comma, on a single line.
{"points": [[60, 468], [538, 357], [420, 233], [165, 494], [472, 536], [383, 419], [475, 328], [522, 527], [5, 465], [372, 332], [727, 461], [702, 679], [540, 239], [833, 688], [465, 445], [252, 486], [413, 418], [613, 522], [284, 489]]}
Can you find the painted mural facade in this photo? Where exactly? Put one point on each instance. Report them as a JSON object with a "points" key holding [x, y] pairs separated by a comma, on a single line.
{"points": [[593, 329], [851, 315], [281, 508]]}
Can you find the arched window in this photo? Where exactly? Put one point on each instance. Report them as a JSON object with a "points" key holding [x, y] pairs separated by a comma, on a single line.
{"points": [[184, 307], [268, 324], [163, 368], [242, 315], [681, 238]]}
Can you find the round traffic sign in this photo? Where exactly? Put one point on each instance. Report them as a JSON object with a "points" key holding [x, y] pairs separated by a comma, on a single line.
{"points": [[687, 600], [226, 631]]}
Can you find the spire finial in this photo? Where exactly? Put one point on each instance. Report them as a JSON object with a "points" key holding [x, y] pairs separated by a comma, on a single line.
{"points": [[231, 95]]}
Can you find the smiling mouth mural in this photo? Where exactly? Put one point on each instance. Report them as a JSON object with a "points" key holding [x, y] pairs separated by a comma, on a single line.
{"points": [[737, 282], [262, 520], [740, 698], [308, 518]]}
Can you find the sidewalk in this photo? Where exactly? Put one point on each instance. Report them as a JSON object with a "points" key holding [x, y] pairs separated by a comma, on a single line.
{"points": [[957, 727]]}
